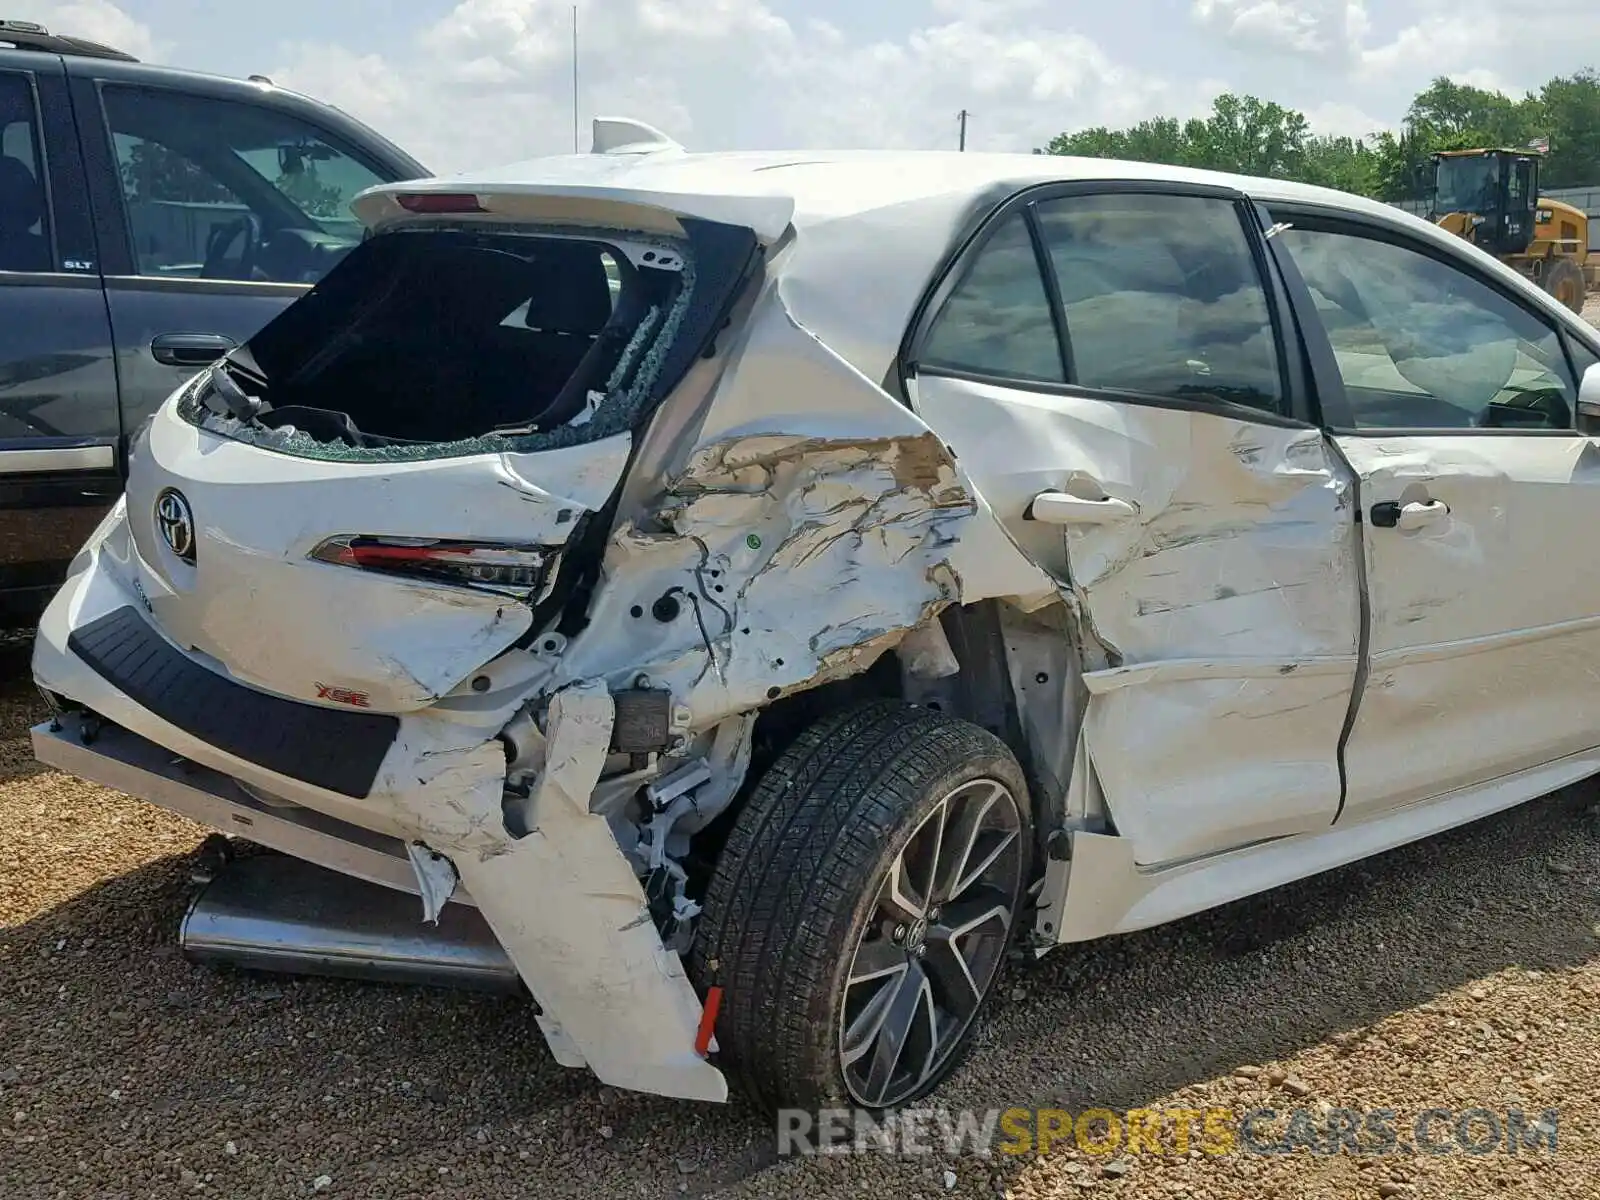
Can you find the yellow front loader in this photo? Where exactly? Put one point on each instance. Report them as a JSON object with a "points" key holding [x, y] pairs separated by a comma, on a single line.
{"points": [[1491, 198]]}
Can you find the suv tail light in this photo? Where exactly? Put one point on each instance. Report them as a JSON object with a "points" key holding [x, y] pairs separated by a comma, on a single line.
{"points": [[439, 202], [481, 564]]}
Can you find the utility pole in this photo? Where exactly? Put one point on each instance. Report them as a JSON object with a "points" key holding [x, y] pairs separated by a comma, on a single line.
{"points": [[962, 117], [575, 148]]}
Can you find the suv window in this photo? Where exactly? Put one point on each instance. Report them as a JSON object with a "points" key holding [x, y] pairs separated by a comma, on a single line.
{"points": [[223, 190], [24, 238], [997, 320], [1424, 345], [1162, 297]]}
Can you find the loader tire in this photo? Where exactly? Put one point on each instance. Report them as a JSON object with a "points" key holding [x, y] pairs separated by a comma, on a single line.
{"points": [[809, 936], [1563, 279]]}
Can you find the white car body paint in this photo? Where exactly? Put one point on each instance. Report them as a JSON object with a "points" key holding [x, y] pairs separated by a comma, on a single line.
{"points": [[561, 893], [1185, 669], [1485, 627], [255, 602]]}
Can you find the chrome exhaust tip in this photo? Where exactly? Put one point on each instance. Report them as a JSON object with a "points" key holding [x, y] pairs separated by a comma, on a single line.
{"points": [[272, 912]]}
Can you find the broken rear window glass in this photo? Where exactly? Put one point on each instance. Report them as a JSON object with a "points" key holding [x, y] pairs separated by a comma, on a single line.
{"points": [[426, 339]]}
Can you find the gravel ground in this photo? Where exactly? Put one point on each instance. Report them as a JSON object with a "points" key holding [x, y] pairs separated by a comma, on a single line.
{"points": [[1457, 973], [1460, 972]]}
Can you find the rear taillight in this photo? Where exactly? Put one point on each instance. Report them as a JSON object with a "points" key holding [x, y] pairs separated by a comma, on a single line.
{"points": [[484, 564], [439, 202]]}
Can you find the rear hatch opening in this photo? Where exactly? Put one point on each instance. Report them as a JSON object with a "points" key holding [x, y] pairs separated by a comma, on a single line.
{"points": [[428, 341]]}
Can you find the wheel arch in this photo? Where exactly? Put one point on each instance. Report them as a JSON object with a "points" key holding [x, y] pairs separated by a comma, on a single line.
{"points": [[1018, 679]]}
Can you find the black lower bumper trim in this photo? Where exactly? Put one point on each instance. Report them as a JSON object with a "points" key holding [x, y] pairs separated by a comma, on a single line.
{"points": [[339, 751]]}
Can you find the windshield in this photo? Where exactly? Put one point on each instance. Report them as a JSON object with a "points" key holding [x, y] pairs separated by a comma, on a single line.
{"points": [[1467, 185]]}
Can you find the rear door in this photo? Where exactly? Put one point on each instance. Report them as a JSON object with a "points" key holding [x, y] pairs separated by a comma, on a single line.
{"points": [[1110, 364], [213, 212], [1482, 506], [59, 427]]}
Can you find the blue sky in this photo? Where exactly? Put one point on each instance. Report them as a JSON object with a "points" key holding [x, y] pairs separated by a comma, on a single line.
{"points": [[474, 82]]}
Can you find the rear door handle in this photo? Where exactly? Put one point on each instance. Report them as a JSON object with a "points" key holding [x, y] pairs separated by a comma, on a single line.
{"points": [[1391, 514], [190, 349], [1058, 508]]}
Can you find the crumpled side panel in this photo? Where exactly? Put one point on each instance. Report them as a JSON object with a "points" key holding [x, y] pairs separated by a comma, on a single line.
{"points": [[809, 524], [1230, 604], [1241, 530]]}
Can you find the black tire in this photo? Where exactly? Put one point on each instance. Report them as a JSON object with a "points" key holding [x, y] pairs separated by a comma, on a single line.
{"points": [[1563, 279], [799, 882]]}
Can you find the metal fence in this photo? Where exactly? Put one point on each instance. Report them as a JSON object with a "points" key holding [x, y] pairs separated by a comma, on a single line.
{"points": [[1586, 198]]}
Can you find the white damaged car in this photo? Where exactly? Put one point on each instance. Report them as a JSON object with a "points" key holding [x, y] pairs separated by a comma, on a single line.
{"points": [[774, 588]]}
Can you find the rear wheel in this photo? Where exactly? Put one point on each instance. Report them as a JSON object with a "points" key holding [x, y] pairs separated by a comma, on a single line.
{"points": [[1563, 279], [863, 906]]}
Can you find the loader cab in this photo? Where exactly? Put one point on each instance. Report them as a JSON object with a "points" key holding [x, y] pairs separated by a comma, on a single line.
{"points": [[1487, 196]]}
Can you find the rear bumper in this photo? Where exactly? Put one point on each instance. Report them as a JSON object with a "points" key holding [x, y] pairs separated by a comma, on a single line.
{"points": [[129, 763], [327, 748], [563, 902]]}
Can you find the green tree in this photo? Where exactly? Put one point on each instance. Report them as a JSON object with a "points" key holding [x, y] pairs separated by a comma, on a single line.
{"points": [[314, 198], [1158, 140], [1571, 106], [1457, 116], [1258, 137], [1243, 134], [1339, 162], [150, 171], [1251, 137]]}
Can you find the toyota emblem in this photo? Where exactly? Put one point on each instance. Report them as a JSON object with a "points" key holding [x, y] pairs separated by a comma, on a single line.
{"points": [[176, 523]]}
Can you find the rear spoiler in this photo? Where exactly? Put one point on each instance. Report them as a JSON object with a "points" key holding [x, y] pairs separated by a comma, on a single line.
{"points": [[619, 185]]}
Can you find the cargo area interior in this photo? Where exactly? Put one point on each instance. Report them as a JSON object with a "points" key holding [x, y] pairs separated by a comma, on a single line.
{"points": [[440, 336]]}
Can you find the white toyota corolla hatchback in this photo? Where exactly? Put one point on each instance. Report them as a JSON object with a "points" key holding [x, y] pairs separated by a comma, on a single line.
{"points": [[773, 588]]}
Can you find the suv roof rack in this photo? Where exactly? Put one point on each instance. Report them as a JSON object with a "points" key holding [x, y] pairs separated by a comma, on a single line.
{"points": [[30, 35]]}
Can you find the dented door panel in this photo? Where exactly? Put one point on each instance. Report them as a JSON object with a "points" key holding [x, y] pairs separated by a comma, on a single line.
{"points": [[1222, 619], [1485, 645]]}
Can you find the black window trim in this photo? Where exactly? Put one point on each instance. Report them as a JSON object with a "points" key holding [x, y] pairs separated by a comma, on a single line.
{"points": [[1339, 416], [1052, 288], [41, 164], [122, 219], [1567, 343], [956, 264]]}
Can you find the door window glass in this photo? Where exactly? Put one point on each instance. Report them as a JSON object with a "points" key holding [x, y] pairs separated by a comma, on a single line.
{"points": [[24, 239], [1162, 298], [223, 190], [1423, 345], [997, 319]]}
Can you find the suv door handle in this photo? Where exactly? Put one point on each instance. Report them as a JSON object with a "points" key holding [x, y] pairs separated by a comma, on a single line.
{"points": [[190, 349], [1391, 514], [1059, 508]]}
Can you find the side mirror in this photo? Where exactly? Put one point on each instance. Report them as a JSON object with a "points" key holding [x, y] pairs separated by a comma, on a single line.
{"points": [[1589, 393]]}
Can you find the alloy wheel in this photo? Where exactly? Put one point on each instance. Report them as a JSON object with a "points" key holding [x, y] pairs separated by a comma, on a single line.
{"points": [[931, 945]]}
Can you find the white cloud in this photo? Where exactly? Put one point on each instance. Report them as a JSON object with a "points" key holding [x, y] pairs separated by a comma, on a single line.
{"points": [[1330, 29], [98, 21], [491, 81], [1343, 120], [1470, 40]]}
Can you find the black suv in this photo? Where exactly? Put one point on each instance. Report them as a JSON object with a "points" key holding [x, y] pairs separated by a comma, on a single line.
{"points": [[150, 220]]}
